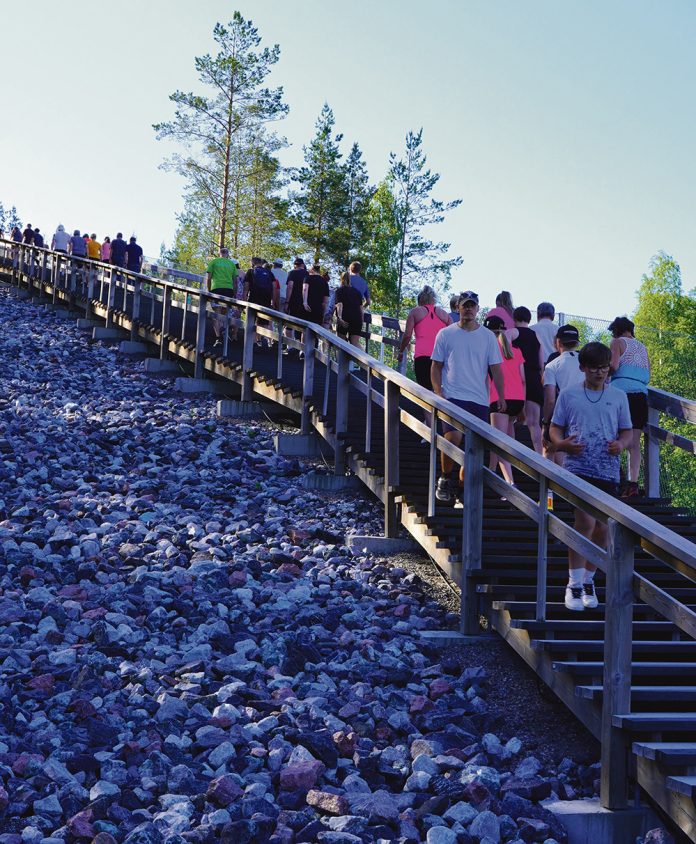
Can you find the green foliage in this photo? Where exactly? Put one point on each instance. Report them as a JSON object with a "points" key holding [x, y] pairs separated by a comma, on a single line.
{"points": [[381, 240], [666, 323], [321, 202], [227, 153], [415, 209]]}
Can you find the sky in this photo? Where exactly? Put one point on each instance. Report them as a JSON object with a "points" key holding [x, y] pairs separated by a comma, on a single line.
{"points": [[567, 128]]}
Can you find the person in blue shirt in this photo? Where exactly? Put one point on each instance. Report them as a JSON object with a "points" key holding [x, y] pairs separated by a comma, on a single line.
{"points": [[119, 247], [134, 256]]}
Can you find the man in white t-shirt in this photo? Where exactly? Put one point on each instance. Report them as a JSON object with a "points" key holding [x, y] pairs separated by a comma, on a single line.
{"points": [[545, 328], [465, 352], [562, 372]]}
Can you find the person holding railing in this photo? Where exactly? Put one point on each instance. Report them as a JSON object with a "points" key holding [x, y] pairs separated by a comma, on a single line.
{"points": [[220, 278], [426, 321], [60, 240], [105, 252], [591, 425], [630, 367], [38, 237], [77, 247], [464, 354]]}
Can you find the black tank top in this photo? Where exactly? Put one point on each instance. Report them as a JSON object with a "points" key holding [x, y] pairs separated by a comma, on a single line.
{"points": [[528, 343]]}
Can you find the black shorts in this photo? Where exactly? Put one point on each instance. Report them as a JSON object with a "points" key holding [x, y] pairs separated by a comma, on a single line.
{"points": [[480, 411], [224, 291], [348, 330], [610, 487], [638, 405], [317, 317], [421, 366], [258, 299], [514, 407], [534, 390]]}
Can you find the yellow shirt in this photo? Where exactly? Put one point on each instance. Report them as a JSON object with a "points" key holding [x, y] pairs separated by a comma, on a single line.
{"points": [[93, 249]]}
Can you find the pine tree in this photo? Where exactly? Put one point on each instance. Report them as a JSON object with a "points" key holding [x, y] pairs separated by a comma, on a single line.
{"points": [[212, 126], [3, 226], [319, 206], [415, 209], [358, 195], [13, 219], [379, 247]]}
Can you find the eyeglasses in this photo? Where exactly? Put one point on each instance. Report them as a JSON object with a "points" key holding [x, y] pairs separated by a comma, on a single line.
{"points": [[596, 369]]}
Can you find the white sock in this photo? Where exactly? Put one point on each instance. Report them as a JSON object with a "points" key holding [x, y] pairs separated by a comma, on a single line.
{"points": [[589, 575], [575, 577]]}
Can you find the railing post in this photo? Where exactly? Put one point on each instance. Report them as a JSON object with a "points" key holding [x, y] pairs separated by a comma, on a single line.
{"points": [[137, 293], [392, 419], [166, 315], [307, 381], [248, 353], [368, 412], [618, 635], [432, 464], [472, 530], [652, 456], [91, 282], [542, 548], [342, 391], [200, 336], [112, 298]]}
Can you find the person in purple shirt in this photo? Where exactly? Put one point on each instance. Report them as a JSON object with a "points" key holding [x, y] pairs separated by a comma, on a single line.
{"points": [[119, 247], [28, 235]]}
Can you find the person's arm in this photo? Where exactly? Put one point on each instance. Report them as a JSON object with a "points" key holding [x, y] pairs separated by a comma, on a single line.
{"points": [[276, 294], [305, 293], [408, 333], [565, 444], [324, 303], [622, 442], [436, 376], [368, 301], [288, 294], [247, 285], [616, 352], [549, 403], [499, 381]]}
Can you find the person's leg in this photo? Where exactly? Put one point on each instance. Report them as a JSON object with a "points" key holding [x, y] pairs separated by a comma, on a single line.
{"points": [[532, 413], [634, 457], [585, 525], [505, 465], [500, 422]]}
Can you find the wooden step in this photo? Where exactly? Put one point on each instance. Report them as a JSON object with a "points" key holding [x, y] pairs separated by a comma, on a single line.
{"points": [[670, 694], [679, 670], [590, 626], [670, 649], [667, 753], [682, 785], [656, 722], [554, 608]]}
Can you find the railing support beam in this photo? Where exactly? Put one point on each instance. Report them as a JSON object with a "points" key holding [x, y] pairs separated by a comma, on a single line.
{"points": [[392, 416], [342, 389], [200, 337], [618, 636], [652, 456], [248, 354], [307, 381], [472, 531]]}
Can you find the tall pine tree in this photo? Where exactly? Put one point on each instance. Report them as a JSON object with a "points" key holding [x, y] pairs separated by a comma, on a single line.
{"points": [[358, 194], [415, 210], [210, 127], [319, 204]]}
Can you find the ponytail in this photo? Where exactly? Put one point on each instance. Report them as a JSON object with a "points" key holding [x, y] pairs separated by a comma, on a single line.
{"points": [[505, 346]]}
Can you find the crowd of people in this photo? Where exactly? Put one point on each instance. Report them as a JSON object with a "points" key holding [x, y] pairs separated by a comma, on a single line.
{"points": [[117, 252], [583, 406]]}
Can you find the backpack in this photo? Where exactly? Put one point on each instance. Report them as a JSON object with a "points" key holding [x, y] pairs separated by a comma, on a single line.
{"points": [[262, 284]]}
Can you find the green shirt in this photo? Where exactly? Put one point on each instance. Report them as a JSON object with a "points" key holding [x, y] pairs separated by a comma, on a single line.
{"points": [[222, 273]]}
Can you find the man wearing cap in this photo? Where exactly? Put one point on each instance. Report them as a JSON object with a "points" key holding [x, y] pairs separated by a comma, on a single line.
{"points": [[545, 328], [220, 278], [560, 373], [465, 352]]}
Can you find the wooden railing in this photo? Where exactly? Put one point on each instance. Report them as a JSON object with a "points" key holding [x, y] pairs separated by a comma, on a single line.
{"points": [[73, 279]]}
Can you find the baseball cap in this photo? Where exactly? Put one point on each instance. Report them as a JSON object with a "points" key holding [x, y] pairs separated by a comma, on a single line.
{"points": [[494, 323], [568, 334], [468, 296], [277, 263]]}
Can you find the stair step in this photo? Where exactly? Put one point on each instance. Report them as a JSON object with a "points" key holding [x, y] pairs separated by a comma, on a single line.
{"points": [[667, 753], [682, 785], [591, 626], [643, 693], [653, 722], [668, 648], [685, 670]]}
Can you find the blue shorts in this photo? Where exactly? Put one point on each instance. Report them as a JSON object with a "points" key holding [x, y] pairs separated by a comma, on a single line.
{"points": [[480, 411]]}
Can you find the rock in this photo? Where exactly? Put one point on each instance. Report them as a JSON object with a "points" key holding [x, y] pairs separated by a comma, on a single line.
{"points": [[441, 835], [223, 791], [658, 836], [377, 807], [486, 825], [333, 804], [302, 776]]}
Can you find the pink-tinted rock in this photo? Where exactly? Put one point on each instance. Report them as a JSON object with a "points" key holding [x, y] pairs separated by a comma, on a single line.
{"points": [[345, 743], [439, 687], [26, 763], [290, 568], [420, 703], [43, 683], [333, 804], [223, 791], [237, 578], [80, 825], [476, 793], [302, 776], [402, 611]]}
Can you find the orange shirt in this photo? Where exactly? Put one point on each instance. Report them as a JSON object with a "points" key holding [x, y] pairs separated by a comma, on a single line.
{"points": [[94, 249]]}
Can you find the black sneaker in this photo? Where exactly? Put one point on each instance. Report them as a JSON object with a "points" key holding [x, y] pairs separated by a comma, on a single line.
{"points": [[443, 491]]}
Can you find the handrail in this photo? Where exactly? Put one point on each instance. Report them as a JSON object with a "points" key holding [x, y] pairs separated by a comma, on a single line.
{"points": [[626, 525]]}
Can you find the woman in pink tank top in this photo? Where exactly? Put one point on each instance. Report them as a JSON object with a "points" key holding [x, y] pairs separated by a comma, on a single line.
{"points": [[426, 320], [515, 392]]}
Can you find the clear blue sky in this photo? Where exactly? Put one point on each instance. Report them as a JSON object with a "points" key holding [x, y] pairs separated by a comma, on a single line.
{"points": [[567, 128]]}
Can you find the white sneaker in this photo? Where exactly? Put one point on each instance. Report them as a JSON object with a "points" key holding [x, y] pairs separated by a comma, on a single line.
{"points": [[589, 597], [574, 598]]}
